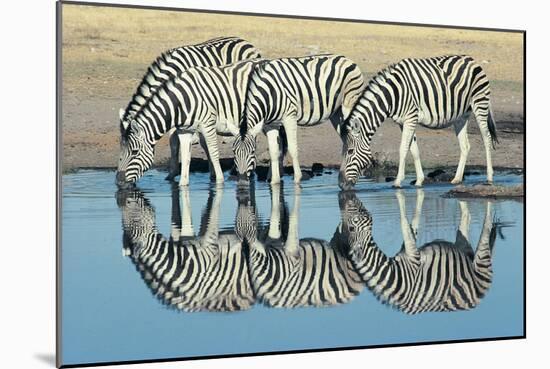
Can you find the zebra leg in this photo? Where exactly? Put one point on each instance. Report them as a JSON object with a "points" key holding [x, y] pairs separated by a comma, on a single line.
{"points": [[212, 219], [274, 153], [211, 139], [176, 214], [275, 218], [461, 130], [406, 230], [481, 113], [291, 128], [483, 269], [205, 148], [174, 168], [406, 138], [186, 221], [293, 241], [417, 164], [417, 211], [465, 219], [186, 139]]}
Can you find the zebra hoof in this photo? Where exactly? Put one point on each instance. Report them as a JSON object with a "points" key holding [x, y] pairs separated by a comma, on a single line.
{"points": [[456, 181], [397, 185]]}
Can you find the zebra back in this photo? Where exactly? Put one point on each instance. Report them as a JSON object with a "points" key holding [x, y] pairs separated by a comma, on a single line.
{"points": [[438, 276], [311, 89], [313, 274], [204, 273], [216, 52], [289, 272], [210, 96]]}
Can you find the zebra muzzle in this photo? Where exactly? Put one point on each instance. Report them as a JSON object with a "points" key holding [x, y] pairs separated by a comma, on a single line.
{"points": [[121, 181], [345, 184]]}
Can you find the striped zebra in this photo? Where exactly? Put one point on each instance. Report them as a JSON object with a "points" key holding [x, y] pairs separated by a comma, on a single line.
{"points": [[216, 52], [294, 92], [434, 92], [207, 100], [186, 272], [289, 272], [438, 276]]}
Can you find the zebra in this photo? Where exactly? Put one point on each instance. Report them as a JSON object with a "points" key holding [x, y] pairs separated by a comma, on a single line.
{"points": [[438, 276], [207, 100], [186, 272], [289, 272], [435, 92], [216, 52], [301, 91]]}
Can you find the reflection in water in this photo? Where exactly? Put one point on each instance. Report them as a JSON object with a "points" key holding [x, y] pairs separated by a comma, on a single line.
{"points": [[207, 272], [290, 272], [438, 276], [230, 271]]}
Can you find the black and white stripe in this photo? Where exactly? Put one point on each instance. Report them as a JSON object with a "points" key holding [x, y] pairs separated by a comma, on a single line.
{"points": [[294, 92], [207, 100], [434, 92], [188, 273], [216, 52], [438, 276], [289, 272]]}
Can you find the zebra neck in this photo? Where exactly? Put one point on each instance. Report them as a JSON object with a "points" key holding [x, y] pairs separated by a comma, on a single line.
{"points": [[381, 273], [153, 132], [369, 259], [378, 101]]}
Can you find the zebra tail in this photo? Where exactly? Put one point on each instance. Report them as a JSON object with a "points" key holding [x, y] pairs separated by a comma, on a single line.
{"points": [[492, 128]]}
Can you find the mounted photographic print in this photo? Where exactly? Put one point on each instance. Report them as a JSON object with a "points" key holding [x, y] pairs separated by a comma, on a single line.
{"points": [[237, 184]]}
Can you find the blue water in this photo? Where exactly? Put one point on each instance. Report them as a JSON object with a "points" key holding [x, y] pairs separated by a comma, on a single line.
{"points": [[110, 313]]}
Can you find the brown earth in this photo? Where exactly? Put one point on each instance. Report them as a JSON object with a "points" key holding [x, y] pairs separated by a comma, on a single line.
{"points": [[104, 59]]}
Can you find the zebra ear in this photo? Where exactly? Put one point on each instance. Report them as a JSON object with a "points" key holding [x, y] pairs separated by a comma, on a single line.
{"points": [[121, 114]]}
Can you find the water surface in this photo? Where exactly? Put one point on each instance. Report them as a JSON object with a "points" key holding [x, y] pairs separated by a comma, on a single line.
{"points": [[159, 272]]}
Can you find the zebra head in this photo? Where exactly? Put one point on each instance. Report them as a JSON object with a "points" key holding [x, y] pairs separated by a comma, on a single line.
{"points": [[246, 220], [356, 225], [138, 219], [136, 153], [244, 151], [356, 151]]}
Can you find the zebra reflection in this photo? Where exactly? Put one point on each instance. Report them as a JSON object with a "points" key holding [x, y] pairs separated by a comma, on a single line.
{"points": [[438, 276], [207, 272], [289, 272]]}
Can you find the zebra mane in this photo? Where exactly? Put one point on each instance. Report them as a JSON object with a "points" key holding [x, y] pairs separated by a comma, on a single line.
{"points": [[163, 58], [380, 76], [257, 66], [375, 80], [144, 107]]}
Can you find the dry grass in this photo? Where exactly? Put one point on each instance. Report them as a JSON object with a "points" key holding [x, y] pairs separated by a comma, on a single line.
{"points": [[106, 50]]}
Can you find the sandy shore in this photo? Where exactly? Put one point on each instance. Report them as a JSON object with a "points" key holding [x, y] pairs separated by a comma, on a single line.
{"points": [[88, 143], [103, 61]]}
